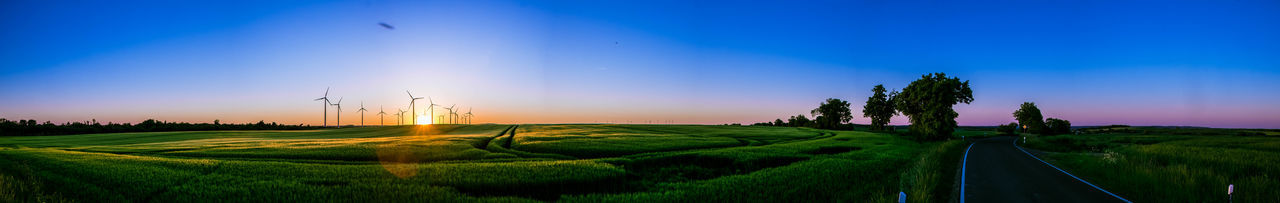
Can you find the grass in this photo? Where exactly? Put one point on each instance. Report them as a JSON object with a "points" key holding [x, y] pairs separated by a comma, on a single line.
{"points": [[1147, 167], [594, 141], [930, 177], [486, 163]]}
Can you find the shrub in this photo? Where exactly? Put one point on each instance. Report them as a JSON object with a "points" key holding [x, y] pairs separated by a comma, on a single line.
{"points": [[1057, 126], [1008, 129]]}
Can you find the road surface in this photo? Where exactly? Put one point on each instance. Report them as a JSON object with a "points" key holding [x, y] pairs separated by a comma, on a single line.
{"points": [[994, 170]]}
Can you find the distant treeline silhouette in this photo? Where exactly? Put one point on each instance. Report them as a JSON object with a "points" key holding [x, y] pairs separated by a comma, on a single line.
{"points": [[802, 121], [33, 127]]}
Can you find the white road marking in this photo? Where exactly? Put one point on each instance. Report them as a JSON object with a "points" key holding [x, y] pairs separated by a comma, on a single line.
{"points": [[1015, 145], [963, 169]]}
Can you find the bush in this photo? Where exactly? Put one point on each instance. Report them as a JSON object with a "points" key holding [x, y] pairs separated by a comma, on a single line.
{"points": [[1057, 126], [1008, 129]]}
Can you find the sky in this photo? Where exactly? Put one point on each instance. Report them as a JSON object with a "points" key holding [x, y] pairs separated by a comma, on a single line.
{"points": [[1171, 63]]}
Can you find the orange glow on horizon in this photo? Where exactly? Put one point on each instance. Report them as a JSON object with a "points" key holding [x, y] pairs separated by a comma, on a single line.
{"points": [[424, 120]]}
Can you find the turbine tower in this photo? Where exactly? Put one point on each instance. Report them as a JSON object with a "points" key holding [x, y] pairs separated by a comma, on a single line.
{"points": [[400, 116], [339, 116], [413, 110], [469, 115], [450, 115], [432, 108], [453, 115], [361, 110], [381, 113], [326, 105]]}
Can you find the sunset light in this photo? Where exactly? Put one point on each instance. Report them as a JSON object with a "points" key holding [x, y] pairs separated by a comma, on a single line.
{"points": [[639, 101], [423, 119]]}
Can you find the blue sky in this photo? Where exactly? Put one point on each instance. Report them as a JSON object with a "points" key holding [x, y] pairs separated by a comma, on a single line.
{"points": [[1204, 63]]}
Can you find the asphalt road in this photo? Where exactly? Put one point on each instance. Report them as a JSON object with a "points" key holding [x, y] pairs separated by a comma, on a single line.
{"points": [[997, 171]]}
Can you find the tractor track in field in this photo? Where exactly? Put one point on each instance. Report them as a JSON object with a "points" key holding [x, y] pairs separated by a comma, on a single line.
{"points": [[821, 135], [236, 158], [511, 137], [485, 144]]}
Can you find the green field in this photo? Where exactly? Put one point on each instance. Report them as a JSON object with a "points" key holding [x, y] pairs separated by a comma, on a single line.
{"points": [[576, 163], [1172, 165]]}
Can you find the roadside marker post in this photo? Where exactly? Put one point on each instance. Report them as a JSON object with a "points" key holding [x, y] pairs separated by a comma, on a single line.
{"points": [[1230, 188]]}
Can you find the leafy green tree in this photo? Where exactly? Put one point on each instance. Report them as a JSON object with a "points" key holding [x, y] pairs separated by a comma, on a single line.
{"points": [[1057, 126], [928, 103], [831, 114], [878, 108], [1029, 116]]}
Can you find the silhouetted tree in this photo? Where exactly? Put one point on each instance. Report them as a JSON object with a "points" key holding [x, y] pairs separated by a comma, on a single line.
{"points": [[778, 122], [1055, 126], [1029, 116], [1010, 129], [831, 114], [798, 121], [878, 108], [928, 103]]}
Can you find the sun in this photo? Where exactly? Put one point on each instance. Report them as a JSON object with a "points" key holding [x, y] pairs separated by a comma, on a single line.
{"points": [[422, 121]]}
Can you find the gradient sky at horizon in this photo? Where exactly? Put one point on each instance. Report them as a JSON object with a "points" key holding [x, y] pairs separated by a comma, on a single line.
{"points": [[1207, 63]]}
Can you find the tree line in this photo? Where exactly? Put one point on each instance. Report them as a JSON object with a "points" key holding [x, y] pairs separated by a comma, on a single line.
{"points": [[1031, 121], [928, 103], [831, 114], [33, 127]]}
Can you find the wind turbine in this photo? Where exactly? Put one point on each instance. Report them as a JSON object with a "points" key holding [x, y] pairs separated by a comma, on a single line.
{"points": [[432, 108], [450, 108], [411, 107], [469, 115], [381, 113], [339, 117], [400, 117], [326, 105], [361, 110]]}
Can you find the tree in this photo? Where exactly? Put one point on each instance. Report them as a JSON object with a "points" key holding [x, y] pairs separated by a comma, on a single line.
{"points": [[1029, 116], [1009, 129], [928, 103], [778, 122], [798, 121], [1055, 126], [831, 114], [878, 108]]}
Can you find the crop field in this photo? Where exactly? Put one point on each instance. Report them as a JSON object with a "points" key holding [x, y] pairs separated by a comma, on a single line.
{"points": [[1161, 167], [574, 163]]}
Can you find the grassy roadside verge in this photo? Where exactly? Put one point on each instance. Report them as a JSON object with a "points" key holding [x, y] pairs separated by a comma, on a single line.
{"points": [[1170, 168], [931, 175]]}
